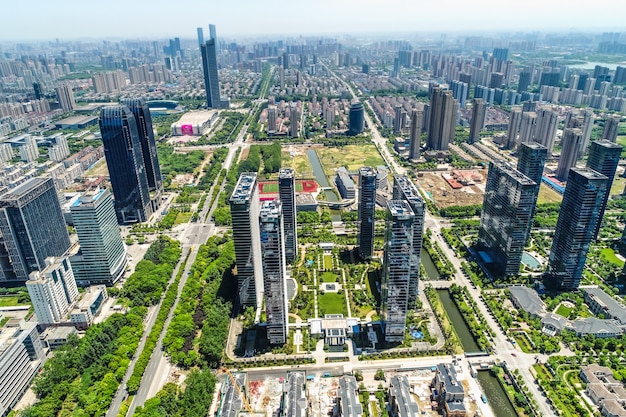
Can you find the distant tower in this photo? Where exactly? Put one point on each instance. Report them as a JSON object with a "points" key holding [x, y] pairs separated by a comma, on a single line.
{"points": [[531, 159], [200, 37], [515, 118], [213, 35], [140, 110], [244, 211], [65, 95], [357, 118], [479, 112], [397, 269], [415, 138], [37, 91], [570, 144], [397, 122], [603, 158], [366, 212], [274, 271], [505, 218], [287, 195], [528, 125], [102, 257], [442, 123], [209, 68], [294, 115], [52, 291], [578, 217], [588, 119], [271, 119], [547, 122], [611, 128], [124, 156], [32, 228], [404, 189]]}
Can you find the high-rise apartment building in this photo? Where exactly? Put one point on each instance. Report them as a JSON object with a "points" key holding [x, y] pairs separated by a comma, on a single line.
{"points": [[366, 212], [505, 218], [397, 267], [356, 118], [274, 271], [515, 119], [32, 227], [576, 225], [140, 110], [479, 112], [570, 145], [442, 123], [611, 128], [603, 158], [102, 256], [124, 156], [545, 132], [65, 95], [528, 124], [271, 119], [404, 189], [29, 151], [59, 148], [244, 211], [415, 137], [287, 195], [52, 291], [209, 68], [294, 116]]}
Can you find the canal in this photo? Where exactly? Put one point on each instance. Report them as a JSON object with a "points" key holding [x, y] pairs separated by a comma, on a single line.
{"points": [[320, 176], [462, 330], [429, 266], [496, 396]]}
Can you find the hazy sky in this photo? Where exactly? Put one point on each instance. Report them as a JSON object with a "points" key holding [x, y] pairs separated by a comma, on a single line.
{"points": [[150, 19]]}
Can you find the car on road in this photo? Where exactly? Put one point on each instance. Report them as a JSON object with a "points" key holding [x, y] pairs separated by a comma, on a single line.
{"points": [[513, 354]]}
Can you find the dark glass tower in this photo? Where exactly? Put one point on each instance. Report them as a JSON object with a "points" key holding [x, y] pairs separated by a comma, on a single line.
{"points": [[148, 145], [287, 195], [575, 228], [209, 68], [357, 118], [505, 218], [367, 209], [603, 158], [124, 156], [531, 158], [32, 227]]}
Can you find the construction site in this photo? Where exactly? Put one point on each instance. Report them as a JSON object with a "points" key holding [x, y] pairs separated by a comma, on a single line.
{"points": [[453, 188]]}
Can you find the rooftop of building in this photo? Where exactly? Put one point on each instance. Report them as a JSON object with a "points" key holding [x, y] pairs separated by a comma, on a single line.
{"points": [[350, 404], [533, 145], [589, 173], [595, 326], [514, 173], [245, 186], [527, 299], [89, 197], [400, 208], [447, 375], [610, 304], [607, 144], [76, 120], [22, 189], [400, 389], [286, 173], [270, 209], [305, 198], [59, 332], [231, 400], [295, 397], [367, 171], [90, 296], [195, 117]]}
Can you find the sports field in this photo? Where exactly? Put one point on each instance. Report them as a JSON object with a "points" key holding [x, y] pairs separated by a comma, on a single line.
{"points": [[306, 186]]}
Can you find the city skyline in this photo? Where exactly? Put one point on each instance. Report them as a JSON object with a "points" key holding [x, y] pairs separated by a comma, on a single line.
{"points": [[69, 20]]}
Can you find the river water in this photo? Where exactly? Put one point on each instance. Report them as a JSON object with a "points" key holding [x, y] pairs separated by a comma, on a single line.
{"points": [[322, 180], [462, 330], [496, 396], [429, 266]]}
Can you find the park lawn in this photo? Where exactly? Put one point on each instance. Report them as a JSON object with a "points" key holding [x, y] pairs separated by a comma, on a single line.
{"points": [[300, 163], [328, 262], [328, 277], [564, 310], [270, 187], [182, 218], [332, 303], [352, 157], [610, 256], [522, 343], [9, 301], [618, 185], [548, 195]]}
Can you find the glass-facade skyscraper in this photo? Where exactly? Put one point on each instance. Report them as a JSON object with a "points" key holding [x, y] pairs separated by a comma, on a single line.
{"points": [[366, 212], [287, 195], [531, 159], [102, 256], [33, 228], [148, 145], [209, 69], [124, 156], [505, 218], [397, 268]]}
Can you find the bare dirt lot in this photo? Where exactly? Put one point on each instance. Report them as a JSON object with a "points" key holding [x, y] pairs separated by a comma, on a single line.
{"points": [[444, 195]]}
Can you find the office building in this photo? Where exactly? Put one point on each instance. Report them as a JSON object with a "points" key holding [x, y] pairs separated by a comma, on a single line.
{"points": [[21, 358], [33, 228], [528, 124], [52, 291], [344, 183], [65, 95], [415, 137], [603, 158], [102, 256], [140, 110], [515, 119], [209, 69], [366, 212], [505, 218], [397, 269], [124, 156], [570, 145], [479, 112], [287, 195], [244, 211], [611, 128], [274, 271], [404, 189], [442, 123], [545, 132], [200, 37], [531, 159], [356, 118], [575, 227]]}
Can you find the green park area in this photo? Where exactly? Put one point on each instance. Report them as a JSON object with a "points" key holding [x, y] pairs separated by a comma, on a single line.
{"points": [[332, 303], [328, 262], [299, 161], [609, 254], [328, 277], [10, 301], [350, 156], [548, 195], [564, 310]]}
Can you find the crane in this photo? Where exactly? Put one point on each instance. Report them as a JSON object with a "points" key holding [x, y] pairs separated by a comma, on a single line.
{"points": [[241, 394]]}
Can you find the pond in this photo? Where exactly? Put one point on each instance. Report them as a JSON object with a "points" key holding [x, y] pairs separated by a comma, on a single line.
{"points": [[530, 261]]}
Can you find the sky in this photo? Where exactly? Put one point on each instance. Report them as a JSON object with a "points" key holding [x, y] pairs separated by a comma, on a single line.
{"points": [[159, 19]]}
